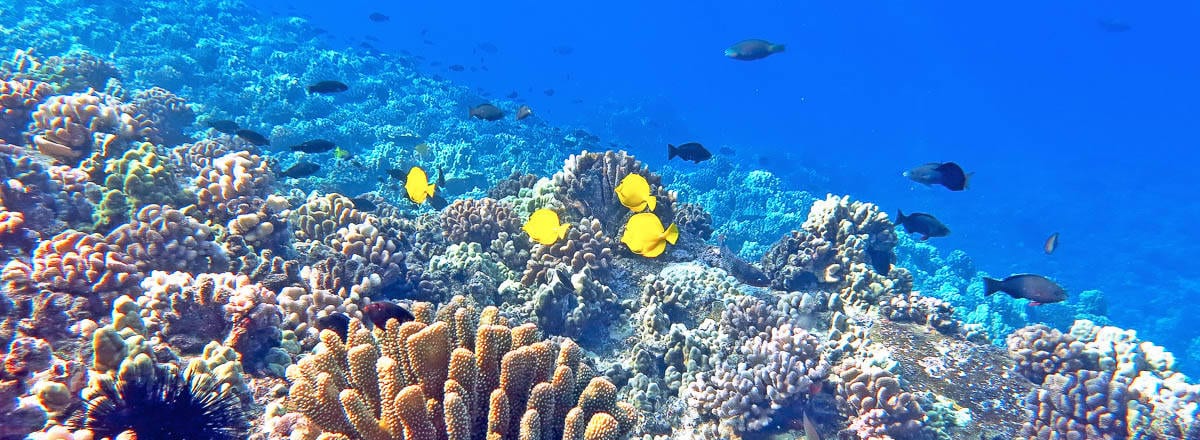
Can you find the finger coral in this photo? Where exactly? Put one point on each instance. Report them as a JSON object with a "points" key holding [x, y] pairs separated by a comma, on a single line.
{"points": [[85, 265], [465, 375], [17, 101]]}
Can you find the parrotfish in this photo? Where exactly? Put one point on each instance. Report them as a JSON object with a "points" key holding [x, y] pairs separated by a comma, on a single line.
{"points": [[753, 49], [1035, 288], [253, 137], [301, 169], [379, 312], [691, 151], [337, 321], [921, 223], [524, 112], [224, 126], [947, 174], [314, 146], [487, 112], [1051, 244], [326, 87]]}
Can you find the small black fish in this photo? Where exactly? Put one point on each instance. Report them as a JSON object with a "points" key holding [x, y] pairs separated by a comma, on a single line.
{"points": [[397, 173], [314, 146], [328, 86], [1035, 288], [438, 201], [364, 204], [224, 126], [512, 95], [301, 169], [947, 174], [378, 18], [548, 92], [381, 311], [337, 321], [753, 49], [253, 137], [487, 112], [457, 67], [692, 151], [564, 50], [1051, 244], [921, 223]]}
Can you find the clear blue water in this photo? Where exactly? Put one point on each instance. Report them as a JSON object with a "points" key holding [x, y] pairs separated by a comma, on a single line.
{"points": [[1068, 125]]}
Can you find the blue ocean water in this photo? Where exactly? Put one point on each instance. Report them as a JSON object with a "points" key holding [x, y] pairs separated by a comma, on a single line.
{"points": [[1070, 122], [1075, 118]]}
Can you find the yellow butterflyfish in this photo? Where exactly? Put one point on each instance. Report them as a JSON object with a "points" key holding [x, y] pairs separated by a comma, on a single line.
{"points": [[634, 193], [645, 236], [544, 227], [417, 185]]}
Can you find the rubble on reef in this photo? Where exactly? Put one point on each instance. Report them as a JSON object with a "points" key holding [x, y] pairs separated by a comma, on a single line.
{"points": [[143, 251]]}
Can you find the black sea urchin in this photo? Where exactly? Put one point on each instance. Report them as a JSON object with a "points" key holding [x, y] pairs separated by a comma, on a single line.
{"points": [[163, 404]]}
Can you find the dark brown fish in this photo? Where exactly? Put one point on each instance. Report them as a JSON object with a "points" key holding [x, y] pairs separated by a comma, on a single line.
{"points": [[338, 322], [328, 87], [1035, 288], [1051, 244], [947, 174], [753, 49], [314, 146], [691, 151], [487, 112], [253, 137], [364, 204], [224, 126], [380, 312], [301, 169], [524, 112], [921, 223]]}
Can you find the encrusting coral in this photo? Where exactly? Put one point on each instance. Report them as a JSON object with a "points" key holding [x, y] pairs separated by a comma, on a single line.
{"points": [[458, 372]]}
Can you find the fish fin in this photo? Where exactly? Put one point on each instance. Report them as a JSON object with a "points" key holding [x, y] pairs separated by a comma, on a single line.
{"points": [[899, 217], [562, 230], [924, 237], [431, 189], [671, 234], [991, 285], [651, 202], [672, 152]]}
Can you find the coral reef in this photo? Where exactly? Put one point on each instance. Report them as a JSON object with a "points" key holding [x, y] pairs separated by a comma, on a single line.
{"points": [[587, 185]]}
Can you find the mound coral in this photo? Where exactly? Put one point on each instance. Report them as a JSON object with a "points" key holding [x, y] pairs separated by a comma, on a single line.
{"points": [[17, 101], [492, 224], [69, 128], [587, 185], [586, 245], [164, 238], [1040, 351], [235, 184], [844, 247], [457, 372], [169, 113], [884, 410], [85, 265]]}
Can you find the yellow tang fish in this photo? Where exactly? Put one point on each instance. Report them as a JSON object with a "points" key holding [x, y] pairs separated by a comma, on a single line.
{"points": [[543, 227], [417, 185], [645, 236], [634, 193]]}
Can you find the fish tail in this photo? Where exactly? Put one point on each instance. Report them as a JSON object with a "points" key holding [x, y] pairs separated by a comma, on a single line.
{"points": [[651, 202], [432, 188], [899, 217], [991, 285], [672, 152], [562, 230], [672, 234], [776, 48]]}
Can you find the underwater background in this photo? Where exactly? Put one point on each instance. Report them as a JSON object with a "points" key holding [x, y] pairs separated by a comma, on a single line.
{"points": [[146, 247]]}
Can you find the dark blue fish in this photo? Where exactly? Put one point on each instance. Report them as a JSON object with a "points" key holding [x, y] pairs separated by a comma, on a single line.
{"points": [[921, 223], [753, 49], [224, 126], [564, 50], [457, 67], [314, 146], [691, 151], [328, 86], [947, 174], [364, 204], [253, 137], [301, 169], [1035, 288], [378, 18], [548, 92]]}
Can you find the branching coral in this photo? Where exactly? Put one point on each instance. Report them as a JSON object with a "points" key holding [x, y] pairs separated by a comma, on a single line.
{"points": [[466, 375]]}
